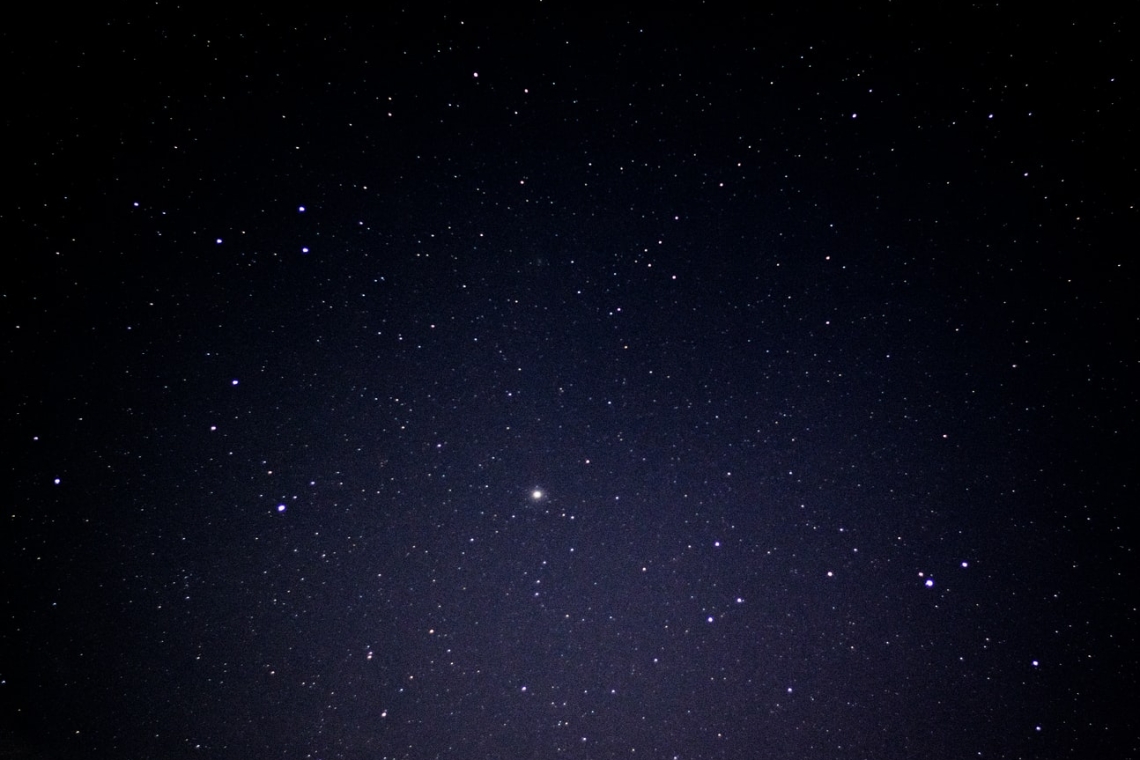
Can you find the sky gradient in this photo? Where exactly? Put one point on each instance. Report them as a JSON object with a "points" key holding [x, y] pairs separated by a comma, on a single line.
{"points": [[675, 386]]}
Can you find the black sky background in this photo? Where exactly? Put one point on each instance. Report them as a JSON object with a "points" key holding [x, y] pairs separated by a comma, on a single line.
{"points": [[785, 314]]}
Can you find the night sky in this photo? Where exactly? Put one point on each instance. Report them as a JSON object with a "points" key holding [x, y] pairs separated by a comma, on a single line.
{"points": [[551, 384]]}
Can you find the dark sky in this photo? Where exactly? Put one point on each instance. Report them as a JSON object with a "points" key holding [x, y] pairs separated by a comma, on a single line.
{"points": [[565, 385]]}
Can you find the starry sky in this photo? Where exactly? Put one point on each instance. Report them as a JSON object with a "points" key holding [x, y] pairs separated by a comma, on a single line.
{"points": [[547, 384]]}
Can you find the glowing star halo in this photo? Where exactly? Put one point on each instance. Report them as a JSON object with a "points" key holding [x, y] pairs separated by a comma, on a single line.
{"points": [[537, 494]]}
